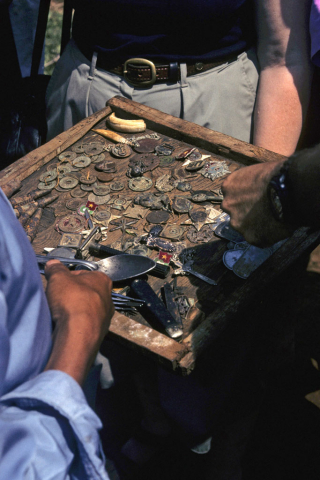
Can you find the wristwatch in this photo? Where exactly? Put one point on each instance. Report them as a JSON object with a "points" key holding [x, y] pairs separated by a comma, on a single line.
{"points": [[281, 203]]}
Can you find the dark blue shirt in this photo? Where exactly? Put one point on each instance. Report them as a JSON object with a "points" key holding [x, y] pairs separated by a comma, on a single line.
{"points": [[164, 30]]}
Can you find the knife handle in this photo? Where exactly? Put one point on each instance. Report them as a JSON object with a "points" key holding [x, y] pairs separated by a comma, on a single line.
{"points": [[159, 270], [154, 309]]}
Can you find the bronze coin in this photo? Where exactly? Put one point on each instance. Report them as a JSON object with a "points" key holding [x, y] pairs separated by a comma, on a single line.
{"points": [[93, 148], [68, 182], [146, 145], [105, 177], [87, 188], [81, 162], [79, 149], [116, 186], [74, 204], [158, 216], [67, 156], [88, 181], [78, 193], [101, 189], [146, 161], [98, 158]]}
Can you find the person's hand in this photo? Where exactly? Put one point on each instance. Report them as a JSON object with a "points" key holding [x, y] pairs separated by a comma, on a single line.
{"points": [[81, 308], [247, 203]]}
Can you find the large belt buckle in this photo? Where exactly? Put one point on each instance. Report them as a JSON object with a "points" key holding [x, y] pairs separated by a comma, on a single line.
{"points": [[141, 61]]}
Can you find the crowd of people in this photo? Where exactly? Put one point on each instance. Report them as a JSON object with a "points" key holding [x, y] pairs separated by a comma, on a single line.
{"points": [[240, 67]]}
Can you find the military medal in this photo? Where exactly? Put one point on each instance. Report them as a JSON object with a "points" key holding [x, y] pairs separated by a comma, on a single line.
{"points": [[116, 186], [121, 150], [158, 216], [164, 149], [72, 224], [140, 184], [215, 169], [173, 232], [205, 234], [181, 204]]}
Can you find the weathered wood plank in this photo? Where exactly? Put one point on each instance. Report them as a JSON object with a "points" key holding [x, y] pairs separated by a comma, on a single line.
{"points": [[209, 330], [149, 342], [189, 132], [34, 160]]}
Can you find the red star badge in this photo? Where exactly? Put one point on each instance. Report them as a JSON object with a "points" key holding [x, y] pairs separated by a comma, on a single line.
{"points": [[165, 257], [91, 206]]}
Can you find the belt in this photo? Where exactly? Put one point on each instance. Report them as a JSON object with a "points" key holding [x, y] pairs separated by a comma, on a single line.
{"points": [[143, 73]]}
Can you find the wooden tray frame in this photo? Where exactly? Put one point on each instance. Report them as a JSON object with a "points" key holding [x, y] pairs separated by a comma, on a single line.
{"points": [[178, 357]]}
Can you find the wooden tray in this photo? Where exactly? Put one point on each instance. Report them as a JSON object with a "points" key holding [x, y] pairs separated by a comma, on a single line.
{"points": [[216, 306]]}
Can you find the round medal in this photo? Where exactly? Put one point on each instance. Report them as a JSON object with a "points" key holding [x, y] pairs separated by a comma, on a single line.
{"points": [[158, 216], [121, 150], [72, 224], [146, 145], [140, 184], [116, 186]]}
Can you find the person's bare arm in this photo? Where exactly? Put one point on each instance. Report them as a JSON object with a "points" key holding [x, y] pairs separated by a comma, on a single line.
{"points": [[81, 308], [246, 199], [284, 85]]}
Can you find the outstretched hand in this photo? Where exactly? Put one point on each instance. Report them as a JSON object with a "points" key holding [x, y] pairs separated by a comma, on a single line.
{"points": [[247, 203], [81, 308]]}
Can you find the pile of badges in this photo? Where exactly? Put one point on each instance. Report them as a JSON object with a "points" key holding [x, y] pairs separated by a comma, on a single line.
{"points": [[155, 167]]}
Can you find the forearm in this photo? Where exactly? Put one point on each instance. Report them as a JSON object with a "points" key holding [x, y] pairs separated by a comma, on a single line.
{"points": [[74, 350], [282, 100]]}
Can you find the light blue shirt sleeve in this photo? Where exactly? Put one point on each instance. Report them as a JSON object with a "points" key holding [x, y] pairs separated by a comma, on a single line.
{"points": [[48, 431]]}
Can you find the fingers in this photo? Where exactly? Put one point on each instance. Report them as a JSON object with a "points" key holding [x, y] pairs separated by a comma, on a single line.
{"points": [[54, 266]]}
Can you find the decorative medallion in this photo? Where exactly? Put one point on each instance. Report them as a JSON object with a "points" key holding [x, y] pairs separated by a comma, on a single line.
{"points": [[181, 204], [116, 186], [205, 234], [215, 169], [164, 149], [140, 184], [102, 216], [121, 150], [165, 183], [146, 145], [194, 165], [70, 240], [158, 216], [174, 232], [72, 224], [184, 186], [166, 161]]}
